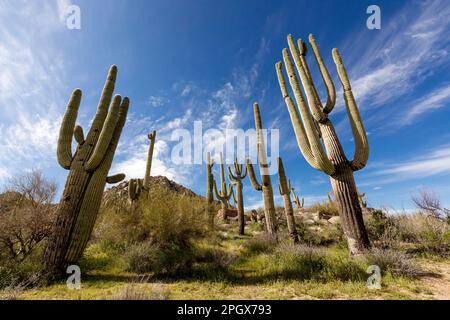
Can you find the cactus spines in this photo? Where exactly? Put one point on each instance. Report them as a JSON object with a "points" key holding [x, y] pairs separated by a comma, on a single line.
{"points": [[209, 189], [236, 179], [311, 115], [266, 185], [152, 138], [80, 201], [223, 195], [284, 186]]}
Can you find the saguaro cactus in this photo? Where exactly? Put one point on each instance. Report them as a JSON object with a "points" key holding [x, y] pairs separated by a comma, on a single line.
{"points": [[223, 195], [209, 188], [298, 203], [284, 186], [88, 169], [266, 184], [152, 138], [135, 187], [313, 125], [236, 179]]}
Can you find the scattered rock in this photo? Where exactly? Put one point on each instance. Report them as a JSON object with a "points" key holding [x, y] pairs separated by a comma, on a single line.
{"points": [[335, 220]]}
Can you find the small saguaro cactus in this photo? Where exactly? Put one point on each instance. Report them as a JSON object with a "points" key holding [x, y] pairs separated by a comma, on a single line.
{"points": [[312, 127], [266, 185], [223, 195], [362, 199], [152, 138], [209, 188], [298, 203], [135, 187], [236, 179], [88, 170], [284, 186]]}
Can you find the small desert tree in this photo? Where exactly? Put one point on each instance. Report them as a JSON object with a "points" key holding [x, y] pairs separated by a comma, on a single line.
{"points": [[26, 214]]}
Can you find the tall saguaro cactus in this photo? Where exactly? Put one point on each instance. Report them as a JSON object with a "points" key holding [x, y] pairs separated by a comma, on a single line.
{"points": [[312, 127], [284, 186], [223, 195], [266, 185], [209, 188], [236, 179], [88, 170], [152, 138]]}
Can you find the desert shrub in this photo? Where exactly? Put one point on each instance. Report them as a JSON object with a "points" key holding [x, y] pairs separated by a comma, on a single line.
{"points": [[161, 217], [304, 262], [420, 233], [262, 242], [325, 208], [429, 203], [321, 235], [138, 292], [167, 258], [392, 261], [26, 215]]}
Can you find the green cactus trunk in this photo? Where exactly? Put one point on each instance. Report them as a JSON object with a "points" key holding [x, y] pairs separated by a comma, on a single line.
{"points": [[236, 179], [148, 168], [266, 184], [345, 192], [285, 188], [80, 201], [223, 195], [209, 190]]}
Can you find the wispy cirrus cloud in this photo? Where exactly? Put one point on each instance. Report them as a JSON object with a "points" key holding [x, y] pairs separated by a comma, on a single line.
{"points": [[31, 81], [436, 99], [410, 48], [435, 162]]}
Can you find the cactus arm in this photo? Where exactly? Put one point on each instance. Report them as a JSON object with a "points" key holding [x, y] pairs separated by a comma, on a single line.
{"points": [[331, 91], [216, 192], [282, 175], [105, 135], [152, 138], [231, 176], [243, 175], [64, 149], [299, 129], [230, 191], [361, 155], [102, 109], [232, 194], [78, 134], [252, 176], [115, 178], [321, 160], [300, 63]]}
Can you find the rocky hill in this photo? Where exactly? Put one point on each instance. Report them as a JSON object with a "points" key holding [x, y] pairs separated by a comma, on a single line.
{"points": [[163, 182]]}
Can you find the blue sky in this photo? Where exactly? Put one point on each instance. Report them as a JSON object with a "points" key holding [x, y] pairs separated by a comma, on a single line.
{"points": [[183, 61]]}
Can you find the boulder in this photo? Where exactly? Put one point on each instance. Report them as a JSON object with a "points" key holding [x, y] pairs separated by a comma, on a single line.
{"points": [[335, 220]]}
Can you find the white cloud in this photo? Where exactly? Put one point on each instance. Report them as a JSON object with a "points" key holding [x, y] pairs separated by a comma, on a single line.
{"points": [[436, 99], [157, 101], [403, 54]]}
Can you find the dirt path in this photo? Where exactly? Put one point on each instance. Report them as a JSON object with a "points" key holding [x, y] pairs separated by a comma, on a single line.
{"points": [[438, 285]]}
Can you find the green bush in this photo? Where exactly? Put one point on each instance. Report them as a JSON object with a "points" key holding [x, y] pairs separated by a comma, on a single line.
{"points": [[260, 243]]}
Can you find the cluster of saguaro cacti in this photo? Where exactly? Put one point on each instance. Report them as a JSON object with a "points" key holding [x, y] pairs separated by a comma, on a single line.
{"points": [[265, 186], [298, 203], [284, 186], [312, 127], [236, 179], [223, 195], [88, 170], [137, 186]]}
